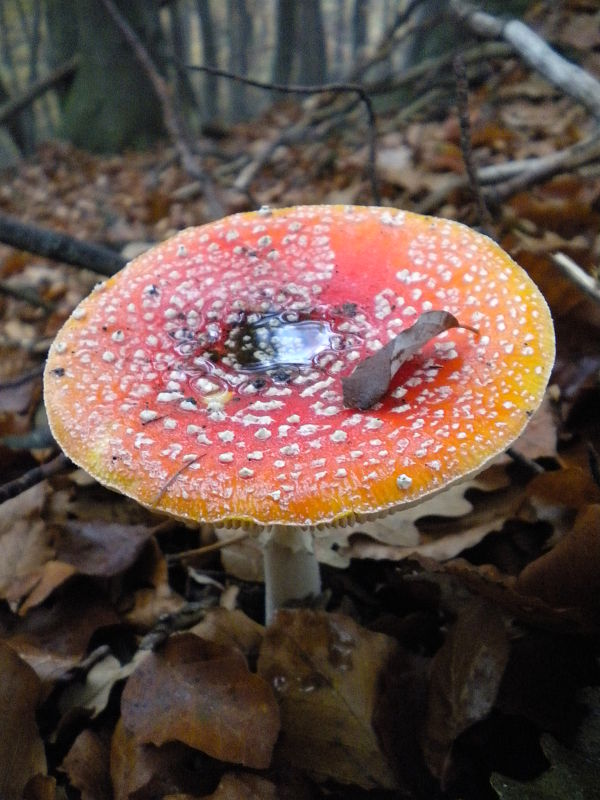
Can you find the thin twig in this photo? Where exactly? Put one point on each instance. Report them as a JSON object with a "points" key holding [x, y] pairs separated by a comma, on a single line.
{"points": [[327, 88], [173, 122], [12, 107], [208, 548], [26, 294], [32, 477], [587, 283], [172, 480], [462, 103], [25, 377]]}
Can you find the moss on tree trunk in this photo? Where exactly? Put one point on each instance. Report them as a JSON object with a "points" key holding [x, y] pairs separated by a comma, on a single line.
{"points": [[111, 104]]}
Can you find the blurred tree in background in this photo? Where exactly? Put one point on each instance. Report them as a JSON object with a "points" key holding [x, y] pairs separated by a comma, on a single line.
{"points": [[66, 70]]}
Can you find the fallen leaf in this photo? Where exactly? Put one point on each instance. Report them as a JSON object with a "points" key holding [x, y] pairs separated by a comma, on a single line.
{"points": [[40, 787], [21, 749], [87, 766], [25, 542], [465, 677], [39, 585], [231, 628], [326, 671], [101, 548], [569, 574], [371, 377], [202, 694], [243, 786], [53, 638], [145, 771]]}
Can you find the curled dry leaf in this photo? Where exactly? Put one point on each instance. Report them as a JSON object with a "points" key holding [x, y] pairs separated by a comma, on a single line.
{"points": [[21, 749], [326, 671], [143, 771], [87, 765], [464, 681], [371, 378], [202, 694], [569, 574]]}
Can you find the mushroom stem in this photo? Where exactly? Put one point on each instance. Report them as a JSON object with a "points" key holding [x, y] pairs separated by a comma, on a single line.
{"points": [[291, 570]]}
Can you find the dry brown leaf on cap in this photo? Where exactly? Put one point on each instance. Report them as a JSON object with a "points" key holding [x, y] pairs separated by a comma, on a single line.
{"points": [[371, 378], [325, 670], [202, 694], [21, 749], [87, 765], [464, 680]]}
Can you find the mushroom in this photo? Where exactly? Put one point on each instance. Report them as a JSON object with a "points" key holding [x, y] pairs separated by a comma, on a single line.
{"points": [[205, 378]]}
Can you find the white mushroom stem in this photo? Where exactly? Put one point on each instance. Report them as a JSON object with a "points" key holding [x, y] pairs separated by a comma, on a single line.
{"points": [[291, 569]]}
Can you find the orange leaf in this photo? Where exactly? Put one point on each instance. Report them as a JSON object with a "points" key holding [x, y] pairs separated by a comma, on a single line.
{"points": [[202, 694]]}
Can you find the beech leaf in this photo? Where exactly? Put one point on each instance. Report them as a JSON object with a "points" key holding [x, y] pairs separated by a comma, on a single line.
{"points": [[21, 749], [464, 681], [371, 378], [327, 671], [202, 694]]}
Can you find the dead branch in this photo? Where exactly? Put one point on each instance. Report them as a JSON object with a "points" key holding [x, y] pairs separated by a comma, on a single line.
{"points": [[16, 104], [33, 477], [541, 169], [513, 177], [59, 246], [570, 78], [587, 283], [173, 123]]}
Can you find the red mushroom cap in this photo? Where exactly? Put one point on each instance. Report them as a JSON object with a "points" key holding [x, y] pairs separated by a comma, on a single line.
{"points": [[205, 378]]}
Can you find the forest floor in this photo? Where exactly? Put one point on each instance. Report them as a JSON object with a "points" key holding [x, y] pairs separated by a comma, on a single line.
{"points": [[474, 669]]}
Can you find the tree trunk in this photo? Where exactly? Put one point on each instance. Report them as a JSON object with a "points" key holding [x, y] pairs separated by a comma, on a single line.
{"points": [[240, 38], [312, 67], [359, 29], [209, 59], [111, 104], [281, 71]]}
